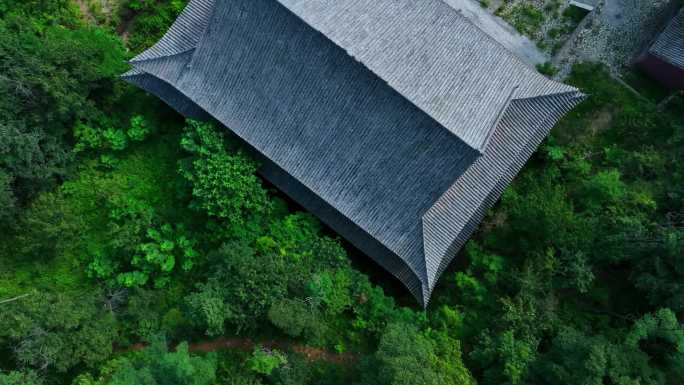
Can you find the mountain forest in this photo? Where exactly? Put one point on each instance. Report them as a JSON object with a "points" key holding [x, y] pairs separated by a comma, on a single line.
{"points": [[140, 248]]}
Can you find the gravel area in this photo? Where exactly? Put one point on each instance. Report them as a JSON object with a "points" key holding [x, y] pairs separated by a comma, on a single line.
{"points": [[615, 33], [546, 22]]}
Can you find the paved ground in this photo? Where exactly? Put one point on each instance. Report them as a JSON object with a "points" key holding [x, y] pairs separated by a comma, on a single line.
{"points": [[501, 31], [615, 33]]}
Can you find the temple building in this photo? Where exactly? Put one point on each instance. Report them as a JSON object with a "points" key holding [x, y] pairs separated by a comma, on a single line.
{"points": [[664, 59], [398, 123]]}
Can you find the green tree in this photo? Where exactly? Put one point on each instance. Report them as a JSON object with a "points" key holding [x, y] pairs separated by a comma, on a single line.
{"points": [[20, 378], [51, 78], [405, 356], [297, 318], [658, 259], [51, 331], [241, 289], [649, 353], [264, 361], [155, 365], [224, 184]]}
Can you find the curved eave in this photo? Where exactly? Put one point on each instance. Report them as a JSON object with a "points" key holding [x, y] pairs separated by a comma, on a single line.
{"points": [[454, 217]]}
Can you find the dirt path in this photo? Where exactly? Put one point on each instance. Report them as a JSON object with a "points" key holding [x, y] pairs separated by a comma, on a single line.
{"points": [[247, 345]]}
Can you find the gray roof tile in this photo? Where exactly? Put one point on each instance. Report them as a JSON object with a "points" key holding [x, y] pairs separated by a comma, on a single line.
{"points": [[669, 46], [400, 118]]}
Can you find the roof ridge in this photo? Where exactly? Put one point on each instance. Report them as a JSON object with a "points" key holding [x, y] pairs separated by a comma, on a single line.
{"points": [[374, 73], [432, 105]]}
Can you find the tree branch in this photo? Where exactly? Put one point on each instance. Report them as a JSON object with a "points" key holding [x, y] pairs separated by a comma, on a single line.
{"points": [[4, 301]]}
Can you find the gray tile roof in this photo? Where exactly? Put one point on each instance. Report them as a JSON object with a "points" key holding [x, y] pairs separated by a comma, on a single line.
{"points": [[397, 122], [500, 30], [669, 46], [428, 52]]}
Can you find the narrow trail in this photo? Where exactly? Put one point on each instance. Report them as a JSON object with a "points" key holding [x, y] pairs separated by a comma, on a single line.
{"points": [[247, 345]]}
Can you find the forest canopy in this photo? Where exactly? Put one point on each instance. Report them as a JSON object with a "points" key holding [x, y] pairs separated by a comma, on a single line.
{"points": [[137, 247]]}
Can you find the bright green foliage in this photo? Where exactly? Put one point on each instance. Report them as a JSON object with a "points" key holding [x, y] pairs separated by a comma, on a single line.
{"points": [[660, 334], [504, 358], [140, 128], [167, 247], [92, 137], [155, 365], [541, 215], [332, 289], [116, 222], [485, 267], [54, 71], [224, 184], [373, 309], [293, 237], [152, 19], [602, 190], [405, 356], [265, 361], [505, 350], [449, 359], [560, 226], [115, 138], [291, 260], [507, 355], [57, 331], [42, 13]]}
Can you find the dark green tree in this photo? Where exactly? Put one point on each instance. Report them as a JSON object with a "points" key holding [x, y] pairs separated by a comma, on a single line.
{"points": [[51, 79], [58, 331], [20, 378]]}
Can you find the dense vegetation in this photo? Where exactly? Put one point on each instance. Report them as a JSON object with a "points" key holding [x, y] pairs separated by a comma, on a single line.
{"points": [[138, 248]]}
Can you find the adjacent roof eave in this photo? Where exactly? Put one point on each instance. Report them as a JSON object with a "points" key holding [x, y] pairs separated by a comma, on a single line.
{"points": [[669, 45], [166, 61], [184, 34], [454, 216]]}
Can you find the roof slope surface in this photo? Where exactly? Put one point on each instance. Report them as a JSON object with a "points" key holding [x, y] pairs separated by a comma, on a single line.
{"points": [[669, 46], [401, 116]]}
